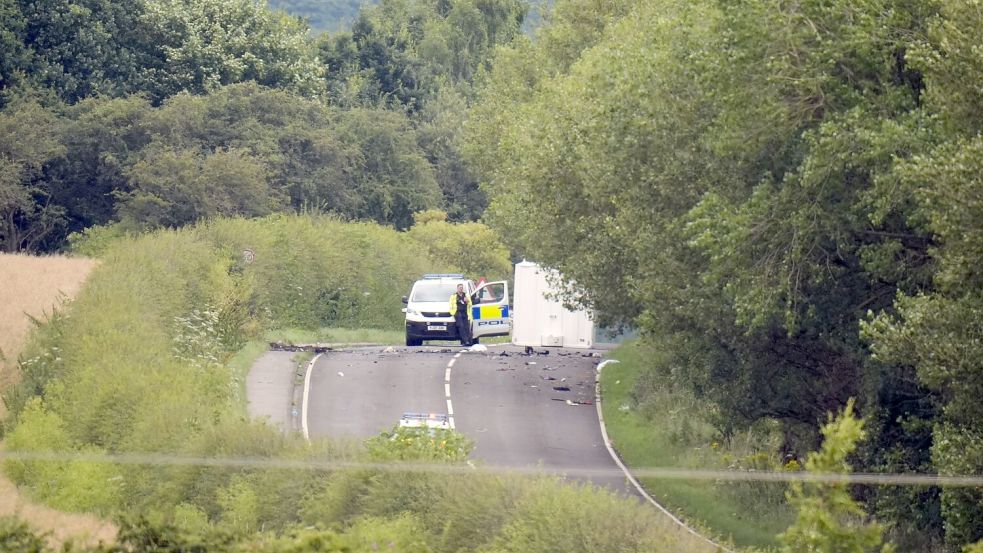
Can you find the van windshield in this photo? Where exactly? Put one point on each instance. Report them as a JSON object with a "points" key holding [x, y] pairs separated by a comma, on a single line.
{"points": [[433, 291]]}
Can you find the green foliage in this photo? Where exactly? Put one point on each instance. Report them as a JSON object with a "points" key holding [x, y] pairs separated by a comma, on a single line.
{"points": [[744, 182], [85, 48], [239, 504], [101, 137], [92, 48], [654, 422], [934, 332], [419, 444], [403, 533], [29, 139], [156, 134], [401, 52], [395, 179], [974, 548], [206, 45], [17, 537], [175, 188], [473, 247], [554, 518], [142, 362], [68, 485], [828, 519], [243, 150], [420, 57]]}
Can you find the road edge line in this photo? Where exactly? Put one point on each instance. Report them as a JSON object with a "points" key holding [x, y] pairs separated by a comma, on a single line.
{"points": [[307, 395], [631, 478]]}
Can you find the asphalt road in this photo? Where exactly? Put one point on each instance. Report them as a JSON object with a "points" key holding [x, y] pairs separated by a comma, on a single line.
{"points": [[522, 411]]}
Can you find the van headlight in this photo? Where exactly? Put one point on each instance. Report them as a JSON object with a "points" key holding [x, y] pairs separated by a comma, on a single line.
{"points": [[412, 311]]}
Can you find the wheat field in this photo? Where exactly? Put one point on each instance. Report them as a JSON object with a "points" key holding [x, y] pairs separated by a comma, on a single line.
{"points": [[32, 286]]}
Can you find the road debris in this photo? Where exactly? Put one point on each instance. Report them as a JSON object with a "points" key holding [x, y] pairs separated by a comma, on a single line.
{"points": [[530, 362], [478, 348], [288, 346], [573, 401], [561, 388], [341, 373]]}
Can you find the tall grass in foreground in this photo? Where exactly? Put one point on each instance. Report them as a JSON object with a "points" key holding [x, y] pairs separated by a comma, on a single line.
{"points": [[362, 511], [653, 425], [149, 359]]}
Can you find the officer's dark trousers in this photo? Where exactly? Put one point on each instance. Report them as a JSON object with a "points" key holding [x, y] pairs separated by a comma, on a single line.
{"points": [[463, 328]]}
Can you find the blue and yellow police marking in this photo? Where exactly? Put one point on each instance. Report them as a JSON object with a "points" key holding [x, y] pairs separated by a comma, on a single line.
{"points": [[479, 312]]}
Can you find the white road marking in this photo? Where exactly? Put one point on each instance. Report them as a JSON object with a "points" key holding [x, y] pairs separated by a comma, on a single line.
{"points": [[447, 390], [307, 395], [631, 478]]}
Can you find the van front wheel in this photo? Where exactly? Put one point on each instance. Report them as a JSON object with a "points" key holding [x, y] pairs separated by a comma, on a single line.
{"points": [[411, 341]]}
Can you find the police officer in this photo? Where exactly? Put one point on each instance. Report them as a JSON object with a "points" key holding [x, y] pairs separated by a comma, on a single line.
{"points": [[461, 310]]}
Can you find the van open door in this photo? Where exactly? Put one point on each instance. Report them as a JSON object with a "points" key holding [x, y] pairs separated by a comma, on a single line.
{"points": [[490, 313]]}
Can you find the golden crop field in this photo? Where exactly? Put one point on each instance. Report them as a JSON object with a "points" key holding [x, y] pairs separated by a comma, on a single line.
{"points": [[31, 285]]}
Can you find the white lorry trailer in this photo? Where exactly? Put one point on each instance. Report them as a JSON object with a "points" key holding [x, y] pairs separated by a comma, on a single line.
{"points": [[538, 320]]}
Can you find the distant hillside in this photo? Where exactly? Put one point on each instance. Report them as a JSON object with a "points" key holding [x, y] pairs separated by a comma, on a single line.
{"points": [[324, 15]]}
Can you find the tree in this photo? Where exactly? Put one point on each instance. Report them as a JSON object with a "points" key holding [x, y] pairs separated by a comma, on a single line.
{"points": [[83, 48], [935, 331], [472, 247], [102, 137], [401, 52], [728, 178], [828, 520], [392, 179], [172, 188], [15, 63], [29, 139], [207, 44]]}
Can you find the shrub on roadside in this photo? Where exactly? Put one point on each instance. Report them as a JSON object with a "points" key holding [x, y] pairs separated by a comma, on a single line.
{"points": [[419, 444]]}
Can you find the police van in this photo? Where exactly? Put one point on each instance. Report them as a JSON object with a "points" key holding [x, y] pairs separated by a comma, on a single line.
{"points": [[428, 314]]}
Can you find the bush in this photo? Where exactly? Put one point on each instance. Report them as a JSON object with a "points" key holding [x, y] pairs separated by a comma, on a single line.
{"points": [[555, 518], [17, 537], [419, 444]]}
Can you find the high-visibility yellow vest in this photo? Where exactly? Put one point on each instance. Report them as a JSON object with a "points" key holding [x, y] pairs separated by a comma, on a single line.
{"points": [[454, 305]]}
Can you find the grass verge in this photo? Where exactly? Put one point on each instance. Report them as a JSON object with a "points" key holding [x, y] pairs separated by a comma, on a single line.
{"points": [[652, 425], [338, 336]]}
